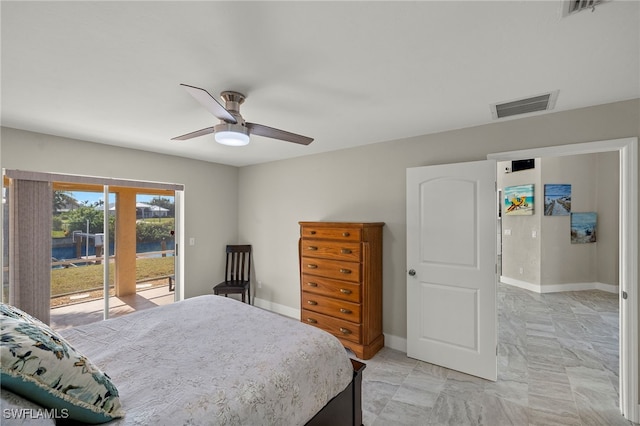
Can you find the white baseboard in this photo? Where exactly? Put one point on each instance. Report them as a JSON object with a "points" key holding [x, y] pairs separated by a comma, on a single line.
{"points": [[395, 342], [520, 284], [390, 341], [277, 308], [556, 288]]}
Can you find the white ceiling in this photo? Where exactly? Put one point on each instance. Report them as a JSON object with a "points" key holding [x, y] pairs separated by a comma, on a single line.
{"points": [[345, 73]]}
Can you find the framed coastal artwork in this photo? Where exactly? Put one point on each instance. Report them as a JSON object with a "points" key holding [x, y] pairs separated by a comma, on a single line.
{"points": [[583, 227], [557, 199], [518, 200]]}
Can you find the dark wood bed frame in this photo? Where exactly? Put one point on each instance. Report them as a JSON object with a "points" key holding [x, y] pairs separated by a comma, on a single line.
{"points": [[346, 407]]}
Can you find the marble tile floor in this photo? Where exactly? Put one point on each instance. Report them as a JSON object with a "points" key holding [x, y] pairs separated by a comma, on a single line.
{"points": [[557, 365]]}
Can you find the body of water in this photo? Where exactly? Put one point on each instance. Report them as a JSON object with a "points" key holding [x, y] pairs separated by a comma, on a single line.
{"points": [[69, 251]]}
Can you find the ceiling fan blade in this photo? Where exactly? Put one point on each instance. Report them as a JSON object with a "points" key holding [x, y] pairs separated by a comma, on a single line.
{"points": [[195, 134], [270, 132], [210, 103]]}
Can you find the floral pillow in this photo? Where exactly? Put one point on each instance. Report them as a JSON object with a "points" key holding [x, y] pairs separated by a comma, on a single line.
{"points": [[38, 364], [13, 312]]}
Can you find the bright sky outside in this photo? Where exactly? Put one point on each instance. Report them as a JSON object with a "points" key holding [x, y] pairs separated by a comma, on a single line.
{"points": [[93, 197]]}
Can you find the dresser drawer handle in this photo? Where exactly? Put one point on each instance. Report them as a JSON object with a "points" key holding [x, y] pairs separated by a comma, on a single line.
{"points": [[312, 284], [312, 248], [345, 251], [312, 302], [312, 321], [345, 234], [312, 232], [345, 311], [345, 291], [345, 331], [345, 271], [312, 266]]}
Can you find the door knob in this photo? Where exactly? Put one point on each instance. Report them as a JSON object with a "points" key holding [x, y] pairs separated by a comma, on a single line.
{"points": [[412, 272]]}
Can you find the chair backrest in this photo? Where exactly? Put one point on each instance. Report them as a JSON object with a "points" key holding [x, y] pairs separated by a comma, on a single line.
{"points": [[238, 267]]}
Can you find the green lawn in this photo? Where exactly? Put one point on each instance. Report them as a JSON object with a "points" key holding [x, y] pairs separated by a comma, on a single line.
{"points": [[68, 280]]}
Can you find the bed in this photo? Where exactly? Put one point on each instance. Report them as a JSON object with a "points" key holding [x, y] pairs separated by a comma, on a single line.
{"points": [[206, 360]]}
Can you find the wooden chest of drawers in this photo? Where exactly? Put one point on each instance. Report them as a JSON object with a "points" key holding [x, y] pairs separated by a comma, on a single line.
{"points": [[341, 282]]}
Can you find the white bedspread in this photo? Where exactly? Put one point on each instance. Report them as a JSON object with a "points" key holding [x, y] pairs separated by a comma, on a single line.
{"points": [[214, 360]]}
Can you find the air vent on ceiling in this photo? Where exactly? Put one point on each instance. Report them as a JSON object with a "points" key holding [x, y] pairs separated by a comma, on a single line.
{"points": [[543, 102], [569, 7]]}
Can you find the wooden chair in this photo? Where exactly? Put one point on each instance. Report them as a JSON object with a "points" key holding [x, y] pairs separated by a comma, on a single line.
{"points": [[237, 272]]}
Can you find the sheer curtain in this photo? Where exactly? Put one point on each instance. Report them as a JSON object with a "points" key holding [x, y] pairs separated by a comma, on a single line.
{"points": [[30, 222]]}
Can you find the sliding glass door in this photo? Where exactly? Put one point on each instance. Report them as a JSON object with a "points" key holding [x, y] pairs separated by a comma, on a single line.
{"points": [[77, 256], [108, 249], [141, 271]]}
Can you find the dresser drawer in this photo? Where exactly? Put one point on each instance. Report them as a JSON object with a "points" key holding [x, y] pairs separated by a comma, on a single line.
{"points": [[329, 306], [333, 288], [339, 250], [338, 269], [341, 234], [340, 328]]}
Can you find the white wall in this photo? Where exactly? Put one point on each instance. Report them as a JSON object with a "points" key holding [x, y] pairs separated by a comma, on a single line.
{"points": [[262, 204], [608, 188], [594, 188], [368, 184], [211, 190], [521, 252], [565, 262], [549, 261]]}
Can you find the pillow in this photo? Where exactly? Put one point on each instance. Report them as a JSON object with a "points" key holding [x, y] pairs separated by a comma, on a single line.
{"points": [[13, 312], [38, 364]]}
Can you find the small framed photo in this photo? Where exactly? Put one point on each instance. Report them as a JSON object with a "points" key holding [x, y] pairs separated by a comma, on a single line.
{"points": [[584, 227], [557, 199], [518, 200]]}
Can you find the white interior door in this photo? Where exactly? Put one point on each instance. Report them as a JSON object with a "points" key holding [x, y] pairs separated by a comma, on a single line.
{"points": [[451, 265]]}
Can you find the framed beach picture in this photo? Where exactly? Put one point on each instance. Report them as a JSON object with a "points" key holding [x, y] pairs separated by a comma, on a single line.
{"points": [[518, 200], [557, 199], [583, 227]]}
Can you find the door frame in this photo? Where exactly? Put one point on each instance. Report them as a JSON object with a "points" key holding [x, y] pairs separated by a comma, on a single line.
{"points": [[178, 267], [108, 186], [628, 254]]}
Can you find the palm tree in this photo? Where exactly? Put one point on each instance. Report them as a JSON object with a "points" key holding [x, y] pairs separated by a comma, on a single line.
{"points": [[61, 199]]}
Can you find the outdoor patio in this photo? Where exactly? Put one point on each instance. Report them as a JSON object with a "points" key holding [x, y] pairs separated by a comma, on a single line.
{"points": [[68, 316]]}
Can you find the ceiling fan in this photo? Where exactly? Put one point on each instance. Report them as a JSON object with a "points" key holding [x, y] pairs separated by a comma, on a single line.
{"points": [[233, 130]]}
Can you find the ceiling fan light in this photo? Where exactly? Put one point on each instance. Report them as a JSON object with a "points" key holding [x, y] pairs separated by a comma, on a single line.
{"points": [[232, 138], [231, 134]]}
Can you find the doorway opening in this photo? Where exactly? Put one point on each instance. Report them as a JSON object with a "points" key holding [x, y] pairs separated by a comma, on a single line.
{"points": [[104, 239], [628, 243], [77, 287]]}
